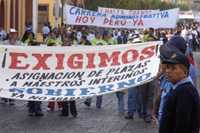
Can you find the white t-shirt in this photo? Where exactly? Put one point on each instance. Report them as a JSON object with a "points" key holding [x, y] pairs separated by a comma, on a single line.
{"points": [[184, 34], [79, 35], [17, 43], [45, 30], [90, 37]]}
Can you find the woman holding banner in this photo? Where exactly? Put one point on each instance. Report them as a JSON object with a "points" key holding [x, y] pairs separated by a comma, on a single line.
{"points": [[68, 105]]}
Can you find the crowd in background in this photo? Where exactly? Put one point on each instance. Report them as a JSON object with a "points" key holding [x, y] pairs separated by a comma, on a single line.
{"points": [[140, 99]]}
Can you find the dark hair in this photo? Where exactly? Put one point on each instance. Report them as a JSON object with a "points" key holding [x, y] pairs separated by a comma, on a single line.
{"points": [[84, 37]]}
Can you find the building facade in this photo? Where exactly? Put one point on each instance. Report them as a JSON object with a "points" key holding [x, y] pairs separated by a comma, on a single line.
{"points": [[16, 13]]}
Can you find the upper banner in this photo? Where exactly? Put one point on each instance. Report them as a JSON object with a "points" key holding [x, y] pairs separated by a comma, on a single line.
{"points": [[63, 73], [125, 12], [186, 15], [161, 19]]}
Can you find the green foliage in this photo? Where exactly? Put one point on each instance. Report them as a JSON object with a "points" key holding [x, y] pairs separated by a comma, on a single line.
{"points": [[183, 7]]}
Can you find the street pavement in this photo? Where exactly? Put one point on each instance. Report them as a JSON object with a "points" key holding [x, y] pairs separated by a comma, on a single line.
{"points": [[15, 119]]}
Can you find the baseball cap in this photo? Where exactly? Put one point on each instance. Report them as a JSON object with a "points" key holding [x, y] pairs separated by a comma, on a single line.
{"points": [[12, 30]]}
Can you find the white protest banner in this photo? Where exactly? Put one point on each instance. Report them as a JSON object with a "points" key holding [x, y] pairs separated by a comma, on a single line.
{"points": [[186, 15], [124, 11], [67, 73], [79, 16]]}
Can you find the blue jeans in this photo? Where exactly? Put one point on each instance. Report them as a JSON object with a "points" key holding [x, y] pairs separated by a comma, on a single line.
{"points": [[131, 101], [120, 97], [147, 95]]}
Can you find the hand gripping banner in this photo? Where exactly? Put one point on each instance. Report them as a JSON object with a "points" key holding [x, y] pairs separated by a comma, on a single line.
{"points": [[68, 73]]}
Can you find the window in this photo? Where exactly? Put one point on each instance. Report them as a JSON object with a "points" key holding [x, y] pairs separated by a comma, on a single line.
{"points": [[43, 8]]}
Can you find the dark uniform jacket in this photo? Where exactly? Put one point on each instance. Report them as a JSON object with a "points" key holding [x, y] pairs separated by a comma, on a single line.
{"points": [[182, 110]]}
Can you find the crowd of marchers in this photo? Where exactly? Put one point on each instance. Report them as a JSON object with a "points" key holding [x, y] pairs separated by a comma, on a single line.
{"points": [[170, 102]]}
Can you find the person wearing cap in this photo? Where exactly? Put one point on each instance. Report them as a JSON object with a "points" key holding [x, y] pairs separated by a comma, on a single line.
{"points": [[142, 95], [12, 38], [178, 44], [182, 108]]}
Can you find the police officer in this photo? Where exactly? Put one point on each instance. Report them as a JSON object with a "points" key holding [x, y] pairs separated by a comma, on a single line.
{"points": [[182, 107]]}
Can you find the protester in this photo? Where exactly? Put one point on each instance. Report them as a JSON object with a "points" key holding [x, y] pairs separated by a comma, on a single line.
{"points": [[107, 36], [29, 27], [29, 38], [120, 102], [3, 34], [85, 41], [52, 40], [139, 98], [178, 30], [145, 92], [69, 105], [134, 103], [88, 102], [52, 105], [149, 35], [12, 40], [122, 37], [98, 39], [45, 30]]}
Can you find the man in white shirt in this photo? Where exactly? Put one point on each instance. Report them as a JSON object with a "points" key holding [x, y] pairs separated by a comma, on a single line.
{"points": [[45, 31], [12, 38]]}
